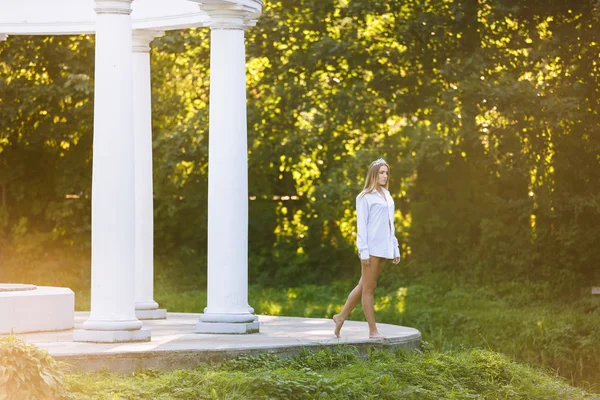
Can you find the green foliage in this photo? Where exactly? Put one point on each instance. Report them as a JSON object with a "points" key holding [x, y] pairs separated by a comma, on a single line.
{"points": [[27, 372], [532, 322], [338, 374], [309, 359], [552, 325], [45, 141], [484, 110], [180, 83]]}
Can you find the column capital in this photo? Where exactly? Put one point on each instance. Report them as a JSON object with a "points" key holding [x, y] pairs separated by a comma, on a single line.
{"points": [[249, 23], [225, 19], [225, 15], [141, 39], [113, 7]]}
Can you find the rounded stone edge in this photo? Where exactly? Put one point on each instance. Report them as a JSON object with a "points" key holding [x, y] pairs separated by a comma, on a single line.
{"points": [[16, 287], [181, 359], [58, 296]]}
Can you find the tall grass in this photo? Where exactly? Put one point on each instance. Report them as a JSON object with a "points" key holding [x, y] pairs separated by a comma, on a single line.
{"points": [[530, 321], [338, 374], [518, 319]]}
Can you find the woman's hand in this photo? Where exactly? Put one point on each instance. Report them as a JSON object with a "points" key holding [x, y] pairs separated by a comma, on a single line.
{"points": [[396, 260], [366, 262]]}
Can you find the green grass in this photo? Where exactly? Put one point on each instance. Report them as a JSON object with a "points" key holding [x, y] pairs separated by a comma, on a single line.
{"points": [[521, 320], [338, 374], [530, 322]]}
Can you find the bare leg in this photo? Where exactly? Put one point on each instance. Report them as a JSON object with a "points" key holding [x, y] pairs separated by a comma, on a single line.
{"points": [[353, 299], [369, 283]]}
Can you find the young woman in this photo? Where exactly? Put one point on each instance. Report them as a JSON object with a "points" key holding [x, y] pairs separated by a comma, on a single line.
{"points": [[376, 242]]}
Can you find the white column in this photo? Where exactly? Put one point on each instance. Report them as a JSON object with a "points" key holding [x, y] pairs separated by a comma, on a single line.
{"points": [[227, 310], [3, 37], [145, 306], [248, 24], [112, 317]]}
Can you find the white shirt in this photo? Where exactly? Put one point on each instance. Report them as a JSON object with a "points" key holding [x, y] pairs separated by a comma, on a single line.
{"points": [[375, 225]]}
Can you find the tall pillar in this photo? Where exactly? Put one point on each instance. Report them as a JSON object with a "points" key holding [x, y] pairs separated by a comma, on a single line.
{"points": [[112, 317], [145, 306], [248, 23], [228, 310]]}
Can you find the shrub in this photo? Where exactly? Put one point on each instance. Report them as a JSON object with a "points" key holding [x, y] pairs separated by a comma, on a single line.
{"points": [[28, 372]]}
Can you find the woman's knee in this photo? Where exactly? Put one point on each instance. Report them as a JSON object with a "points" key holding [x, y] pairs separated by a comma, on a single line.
{"points": [[369, 288]]}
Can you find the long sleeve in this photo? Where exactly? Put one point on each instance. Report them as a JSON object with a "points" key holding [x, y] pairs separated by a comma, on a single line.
{"points": [[362, 218], [396, 247], [392, 213]]}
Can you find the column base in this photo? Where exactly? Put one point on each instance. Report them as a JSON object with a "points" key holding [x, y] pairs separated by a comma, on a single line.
{"points": [[151, 314], [236, 318], [146, 305], [251, 311], [228, 327], [84, 335]]}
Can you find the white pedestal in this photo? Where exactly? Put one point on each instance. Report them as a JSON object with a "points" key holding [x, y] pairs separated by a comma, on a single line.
{"points": [[227, 328], [87, 335], [151, 314], [43, 309]]}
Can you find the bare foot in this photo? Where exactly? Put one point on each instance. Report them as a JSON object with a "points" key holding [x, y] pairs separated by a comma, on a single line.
{"points": [[376, 335], [338, 324]]}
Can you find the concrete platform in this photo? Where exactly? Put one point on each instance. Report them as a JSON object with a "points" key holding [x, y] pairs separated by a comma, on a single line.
{"points": [[174, 344]]}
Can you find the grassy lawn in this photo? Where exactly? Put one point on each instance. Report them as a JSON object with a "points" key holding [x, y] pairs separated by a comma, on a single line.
{"points": [[521, 319], [472, 334], [338, 374]]}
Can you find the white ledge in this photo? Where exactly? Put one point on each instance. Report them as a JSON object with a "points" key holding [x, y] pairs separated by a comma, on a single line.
{"points": [[74, 17]]}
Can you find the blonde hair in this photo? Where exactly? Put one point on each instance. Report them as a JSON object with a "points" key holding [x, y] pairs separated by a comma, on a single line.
{"points": [[372, 175]]}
